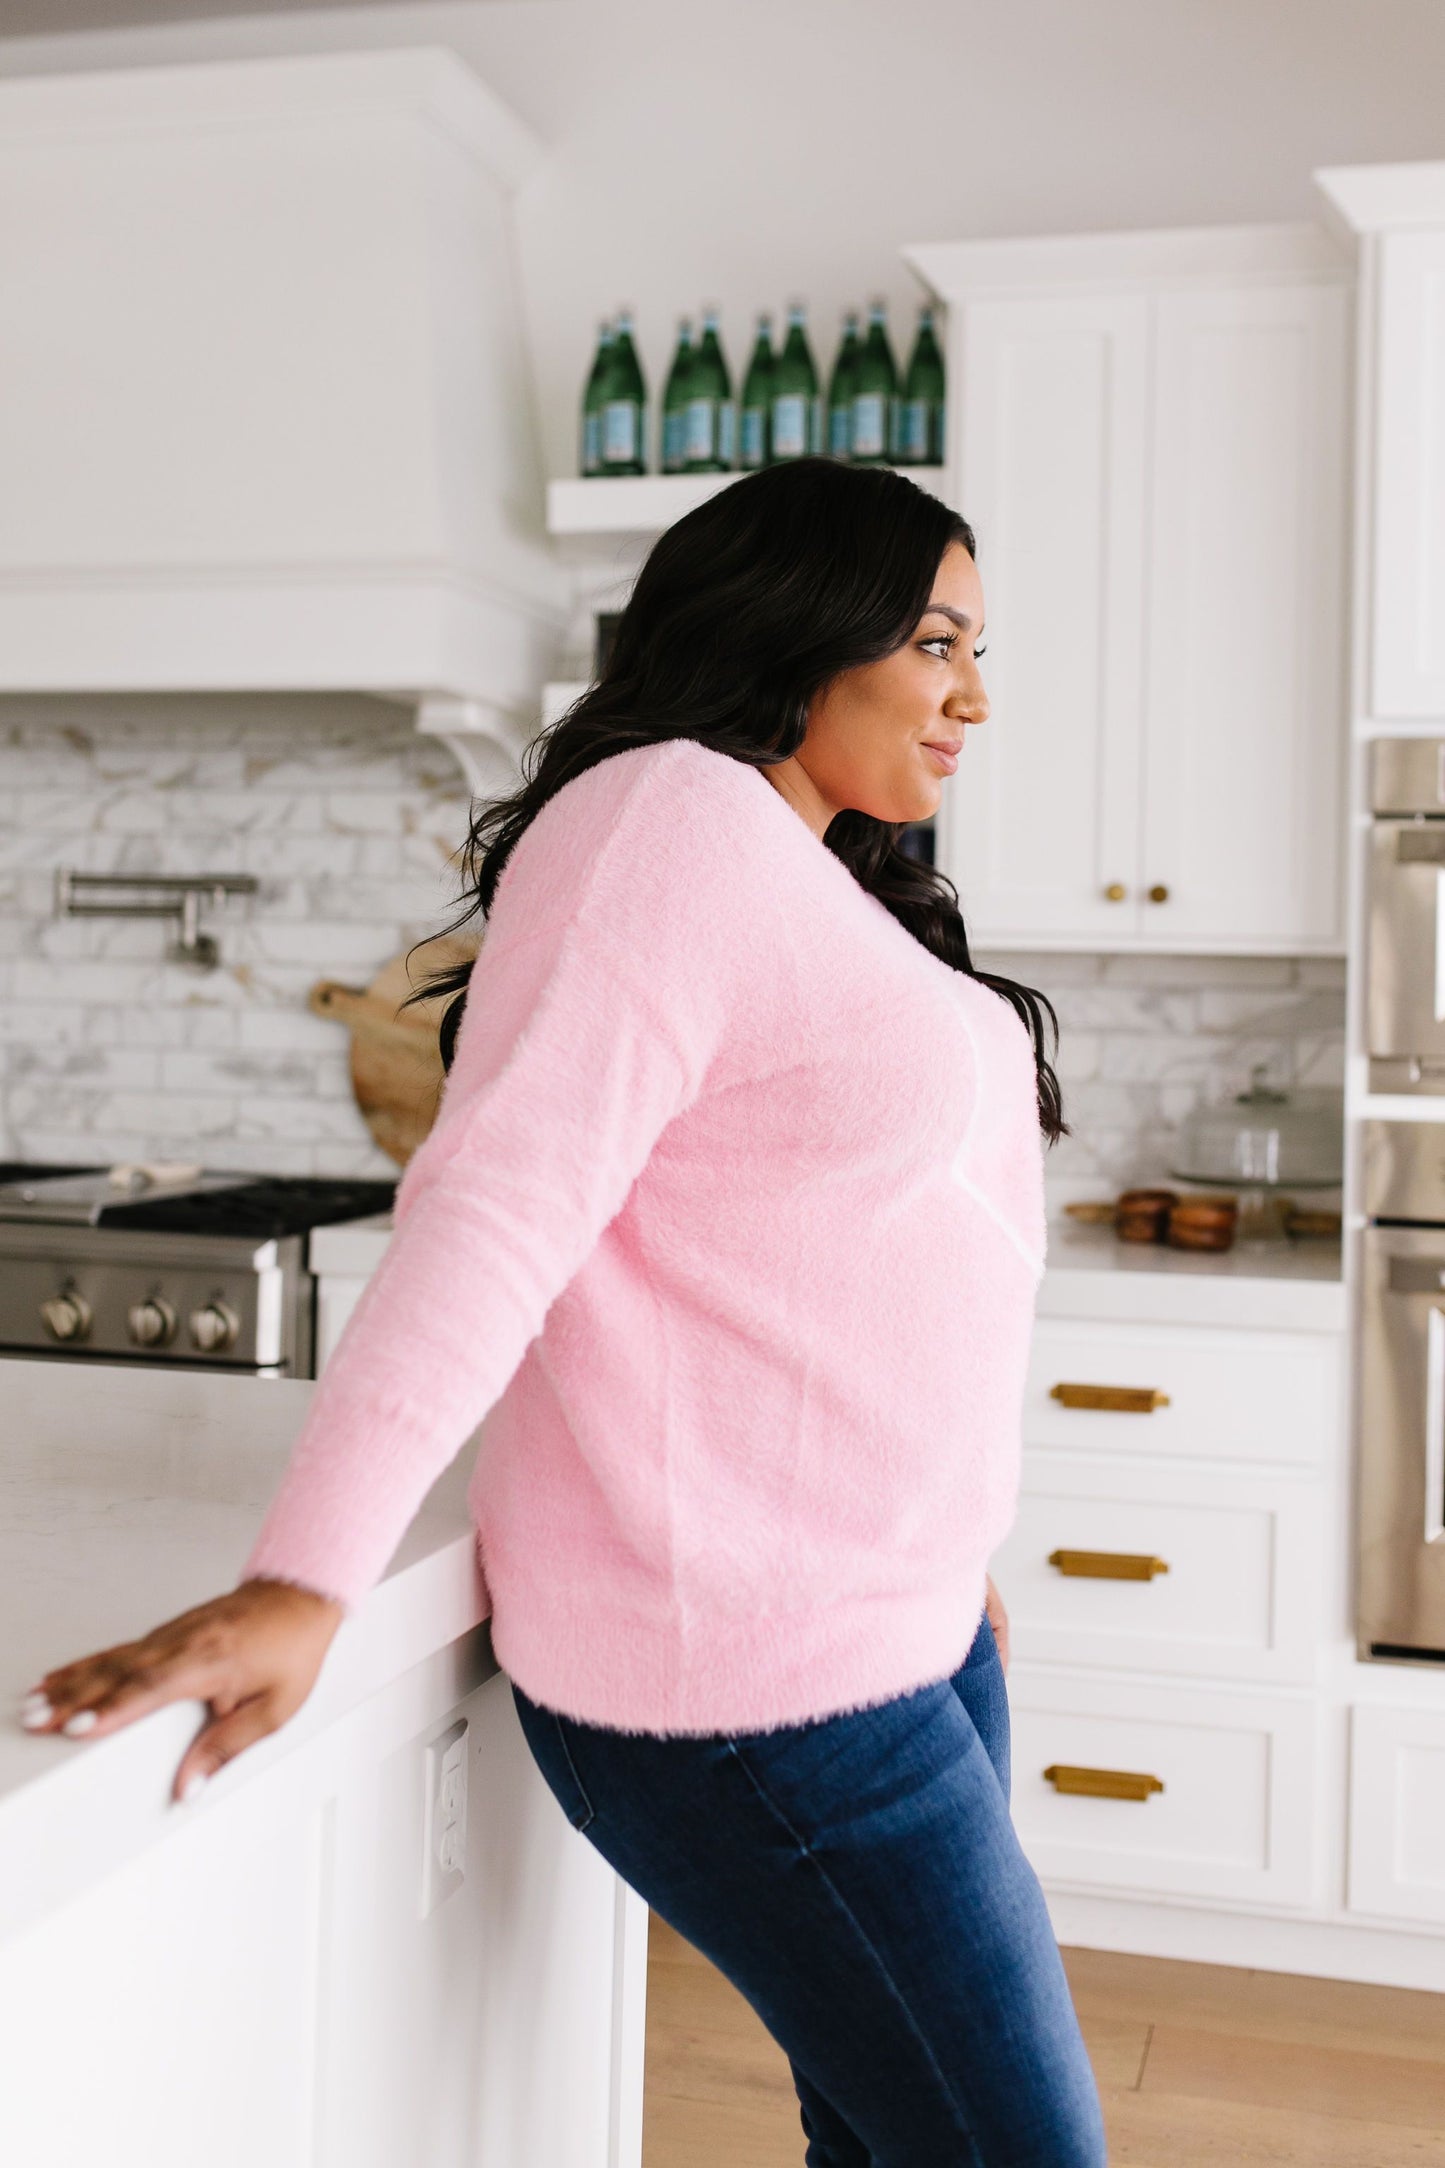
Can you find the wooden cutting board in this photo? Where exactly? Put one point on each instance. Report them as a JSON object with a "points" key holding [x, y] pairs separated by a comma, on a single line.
{"points": [[396, 1063]]}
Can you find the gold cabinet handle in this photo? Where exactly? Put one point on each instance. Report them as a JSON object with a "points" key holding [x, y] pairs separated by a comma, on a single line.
{"points": [[1158, 893], [1115, 892], [1122, 1399], [1102, 1783], [1108, 1565]]}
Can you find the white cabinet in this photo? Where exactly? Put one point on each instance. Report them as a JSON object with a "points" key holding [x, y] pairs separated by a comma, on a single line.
{"points": [[1167, 1579], [1398, 212], [1150, 438], [1208, 1393], [1198, 1794], [1245, 627], [1044, 814], [1200, 1572], [1397, 1813], [1407, 664]]}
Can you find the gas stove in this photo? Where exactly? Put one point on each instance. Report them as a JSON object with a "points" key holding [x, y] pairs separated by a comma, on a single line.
{"points": [[167, 1262]]}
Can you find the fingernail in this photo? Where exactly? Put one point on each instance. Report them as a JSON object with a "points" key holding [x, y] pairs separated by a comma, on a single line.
{"points": [[83, 1720], [35, 1709], [194, 1785]]}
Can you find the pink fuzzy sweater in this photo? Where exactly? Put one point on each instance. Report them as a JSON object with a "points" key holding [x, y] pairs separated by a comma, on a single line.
{"points": [[730, 1225]]}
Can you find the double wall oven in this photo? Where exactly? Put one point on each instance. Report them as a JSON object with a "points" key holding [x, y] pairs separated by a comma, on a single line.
{"points": [[1400, 1548]]}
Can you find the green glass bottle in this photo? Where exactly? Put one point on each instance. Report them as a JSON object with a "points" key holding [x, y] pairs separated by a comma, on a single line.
{"points": [[624, 406], [875, 395], [840, 391], [754, 435], [712, 417], [796, 408], [592, 399], [921, 409], [672, 452]]}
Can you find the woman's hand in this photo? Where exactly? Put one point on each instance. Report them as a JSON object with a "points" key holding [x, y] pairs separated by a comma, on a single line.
{"points": [[253, 1655], [997, 1618]]}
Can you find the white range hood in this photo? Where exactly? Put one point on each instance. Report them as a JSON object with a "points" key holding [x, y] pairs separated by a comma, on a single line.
{"points": [[267, 420]]}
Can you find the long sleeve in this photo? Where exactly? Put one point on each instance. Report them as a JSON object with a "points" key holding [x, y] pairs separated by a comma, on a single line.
{"points": [[589, 1025]]}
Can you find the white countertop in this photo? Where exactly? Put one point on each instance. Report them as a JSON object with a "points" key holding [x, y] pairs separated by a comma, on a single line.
{"points": [[1286, 1286], [1090, 1273], [127, 1494]]}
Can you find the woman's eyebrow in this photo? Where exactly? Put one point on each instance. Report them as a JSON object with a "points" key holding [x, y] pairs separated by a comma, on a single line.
{"points": [[955, 617]]}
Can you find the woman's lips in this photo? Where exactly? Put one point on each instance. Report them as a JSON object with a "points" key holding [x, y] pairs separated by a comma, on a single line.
{"points": [[947, 761]]}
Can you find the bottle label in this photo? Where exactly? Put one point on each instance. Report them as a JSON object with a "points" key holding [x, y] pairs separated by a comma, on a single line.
{"points": [[591, 442], [674, 439], [727, 433], [913, 431], [700, 429], [790, 425], [815, 423], [870, 426], [619, 432], [754, 438], [839, 434]]}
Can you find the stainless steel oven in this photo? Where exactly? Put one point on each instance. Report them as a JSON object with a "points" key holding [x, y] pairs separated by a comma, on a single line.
{"points": [[1405, 1005], [1400, 1554]]}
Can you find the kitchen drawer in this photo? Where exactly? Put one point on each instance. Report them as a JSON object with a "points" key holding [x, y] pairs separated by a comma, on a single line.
{"points": [[1397, 1812], [1255, 1397], [1240, 1598], [1234, 1818]]}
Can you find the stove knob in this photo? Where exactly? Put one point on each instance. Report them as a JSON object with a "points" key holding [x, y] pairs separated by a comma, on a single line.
{"points": [[215, 1328], [67, 1316], [152, 1323]]}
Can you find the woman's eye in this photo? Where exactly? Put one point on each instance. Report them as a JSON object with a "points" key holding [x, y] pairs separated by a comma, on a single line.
{"points": [[946, 640], [979, 653]]}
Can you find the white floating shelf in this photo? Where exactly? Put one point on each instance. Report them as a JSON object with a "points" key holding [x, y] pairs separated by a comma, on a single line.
{"points": [[1398, 1107], [637, 506]]}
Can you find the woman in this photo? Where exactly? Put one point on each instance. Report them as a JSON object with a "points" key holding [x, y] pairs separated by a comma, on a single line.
{"points": [[731, 1223]]}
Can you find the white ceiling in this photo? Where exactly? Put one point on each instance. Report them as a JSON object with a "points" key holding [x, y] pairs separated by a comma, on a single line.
{"points": [[54, 18]]}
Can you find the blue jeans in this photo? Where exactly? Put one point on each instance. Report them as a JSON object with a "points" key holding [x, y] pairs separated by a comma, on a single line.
{"points": [[859, 1881]]}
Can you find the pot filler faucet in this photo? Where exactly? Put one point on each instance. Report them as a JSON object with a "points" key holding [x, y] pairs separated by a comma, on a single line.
{"points": [[154, 896]]}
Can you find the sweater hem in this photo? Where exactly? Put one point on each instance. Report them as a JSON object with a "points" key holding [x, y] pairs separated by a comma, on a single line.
{"points": [[637, 1676]]}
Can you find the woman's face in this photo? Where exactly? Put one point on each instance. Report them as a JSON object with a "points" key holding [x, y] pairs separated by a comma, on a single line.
{"points": [[885, 737]]}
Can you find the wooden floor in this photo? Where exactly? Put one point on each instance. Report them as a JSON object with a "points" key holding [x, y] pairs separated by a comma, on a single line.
{"points": [[1198, 2065]]}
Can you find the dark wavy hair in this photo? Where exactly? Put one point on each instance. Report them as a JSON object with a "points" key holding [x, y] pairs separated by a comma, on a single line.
{"points": [[743, 611]]}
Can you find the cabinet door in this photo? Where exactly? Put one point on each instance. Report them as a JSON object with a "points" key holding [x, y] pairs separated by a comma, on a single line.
{"points": [[1203, 1572], [1408, 648], [1042, 817], [1227, 1803], [1397, 1810], [1244, 731]]}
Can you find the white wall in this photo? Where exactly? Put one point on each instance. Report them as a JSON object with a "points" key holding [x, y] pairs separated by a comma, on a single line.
{"points": [[743, 149]]}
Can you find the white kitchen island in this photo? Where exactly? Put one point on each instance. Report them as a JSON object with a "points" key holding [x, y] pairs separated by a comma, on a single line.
{"points": [[282, 1972]]}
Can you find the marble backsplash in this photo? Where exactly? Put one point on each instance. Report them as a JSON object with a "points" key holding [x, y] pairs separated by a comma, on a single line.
{"points": [[350, 822]]}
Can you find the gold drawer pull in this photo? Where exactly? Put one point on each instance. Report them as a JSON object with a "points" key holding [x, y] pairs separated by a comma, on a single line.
{"points": [[1101, 1783], [1108, 1565], [1122, 1399]]}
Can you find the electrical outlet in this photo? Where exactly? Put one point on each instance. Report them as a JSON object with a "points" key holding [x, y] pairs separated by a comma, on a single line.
{"points": [[445, 1846]]}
